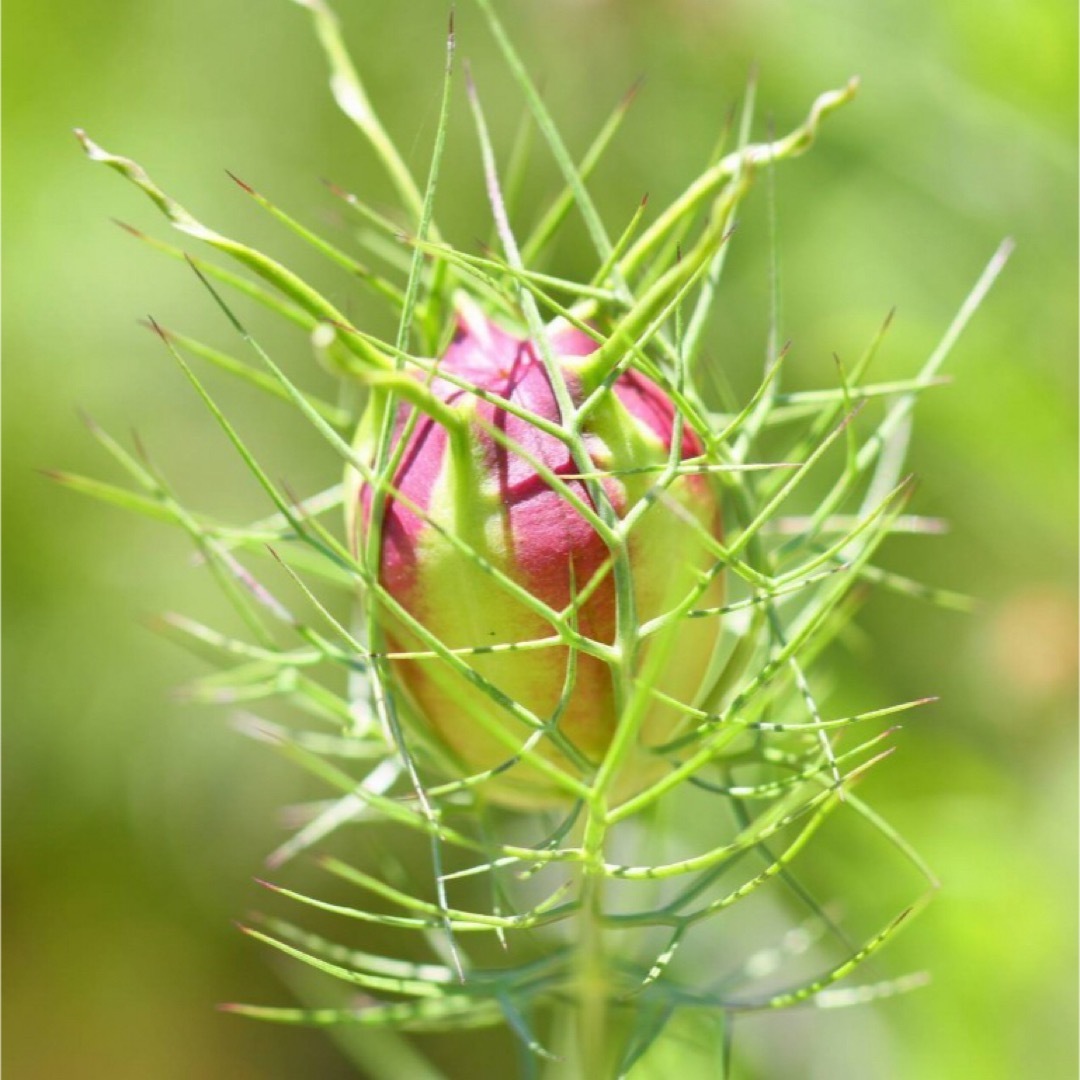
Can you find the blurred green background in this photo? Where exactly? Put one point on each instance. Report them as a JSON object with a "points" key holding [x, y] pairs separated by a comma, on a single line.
{"points": [[134, 823]]}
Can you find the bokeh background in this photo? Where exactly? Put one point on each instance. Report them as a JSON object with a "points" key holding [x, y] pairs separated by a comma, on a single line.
{"points": [[134, 823]]}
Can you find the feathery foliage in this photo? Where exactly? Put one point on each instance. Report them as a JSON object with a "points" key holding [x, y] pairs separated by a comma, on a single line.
{"points": [[591, 916]]}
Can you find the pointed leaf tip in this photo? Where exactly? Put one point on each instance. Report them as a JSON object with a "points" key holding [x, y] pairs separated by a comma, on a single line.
{"points": [[91, 424], [337, 190], [158, 621], [129, 228], [155, 327], [242, 184], [632, 92], [93, 151]]}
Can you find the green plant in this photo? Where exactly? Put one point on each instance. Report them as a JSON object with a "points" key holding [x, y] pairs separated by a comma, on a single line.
{"points": [[591, 894]]}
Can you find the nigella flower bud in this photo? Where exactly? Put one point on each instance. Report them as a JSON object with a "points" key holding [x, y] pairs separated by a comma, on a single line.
{"points": [[489, 491]]}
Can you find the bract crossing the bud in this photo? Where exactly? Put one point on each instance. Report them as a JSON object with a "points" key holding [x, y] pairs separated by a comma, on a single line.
{"points": [[492, 491]]}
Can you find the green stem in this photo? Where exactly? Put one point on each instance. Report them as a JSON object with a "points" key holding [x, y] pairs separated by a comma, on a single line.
{"points": [[593, 975]]}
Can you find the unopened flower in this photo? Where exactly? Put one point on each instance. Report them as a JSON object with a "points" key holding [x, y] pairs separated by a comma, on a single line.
{"points": [[466, 517]]}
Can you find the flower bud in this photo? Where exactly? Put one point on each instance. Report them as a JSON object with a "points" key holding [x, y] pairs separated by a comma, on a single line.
{"points": [[487, 489]]}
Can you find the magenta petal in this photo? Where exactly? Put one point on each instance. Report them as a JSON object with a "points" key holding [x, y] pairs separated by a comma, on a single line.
{"points": [[645, 401], [490, 494]]}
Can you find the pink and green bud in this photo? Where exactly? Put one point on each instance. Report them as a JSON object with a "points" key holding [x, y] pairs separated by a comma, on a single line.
{"points": [[475, 524]]}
